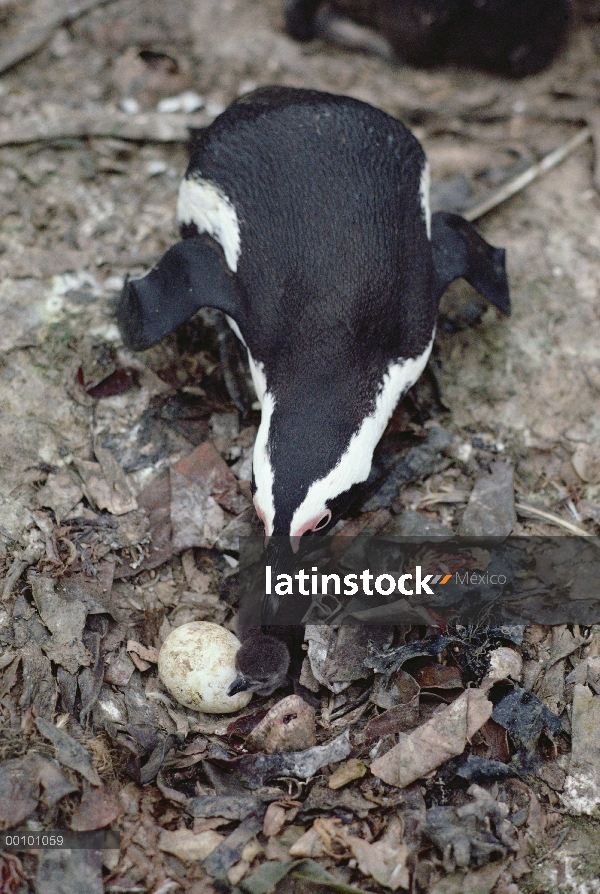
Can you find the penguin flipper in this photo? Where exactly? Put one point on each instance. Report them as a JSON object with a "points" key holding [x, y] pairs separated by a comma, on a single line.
{"points": [[191, 275], [459, 250]]}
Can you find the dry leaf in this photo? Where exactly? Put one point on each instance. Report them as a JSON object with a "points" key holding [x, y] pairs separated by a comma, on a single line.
{"points": [[183, 843], [586, 462], [288, 726], [383, 860], [347, 772], [504, 664], [308, 845], [274, 820], [582, 786], [444, 736]]}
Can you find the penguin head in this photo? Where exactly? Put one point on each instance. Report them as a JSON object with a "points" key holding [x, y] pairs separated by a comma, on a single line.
{"points": [[262, 664], [322, 417]]}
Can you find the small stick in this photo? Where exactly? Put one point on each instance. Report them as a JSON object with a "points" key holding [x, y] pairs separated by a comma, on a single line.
{"points": [[60, 124], [553, 519], [39, 28], [526, 177]]}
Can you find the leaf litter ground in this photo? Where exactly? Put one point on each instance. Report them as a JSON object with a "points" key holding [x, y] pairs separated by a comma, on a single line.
{"points": [[472, 763]]}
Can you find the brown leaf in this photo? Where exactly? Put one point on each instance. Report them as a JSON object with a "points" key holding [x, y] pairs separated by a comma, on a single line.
{"points": [[155, 498], [477, 881], [120, 670], [347, 772], [97, 810], [19, 791], [206, 466], [70, 753], [147, 654], [586, 462], [103, 485], [11, 873], [400, 718], [505, 663], [118, 382], [61, 493], [196, 517], [187, 846], [582, 786], [438, 676], [384, 860], [288, 726], [65, 619], [400, 689], [444, 736], [496, 740], [20, 781], [308, 845], [274, 820]]}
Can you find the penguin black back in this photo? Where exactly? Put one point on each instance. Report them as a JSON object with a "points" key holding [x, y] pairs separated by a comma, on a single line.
{"points": [[320, 184]]}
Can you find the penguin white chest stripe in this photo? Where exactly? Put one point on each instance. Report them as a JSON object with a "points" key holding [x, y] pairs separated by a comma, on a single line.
{"points": [[202, 203], [354, 465]]}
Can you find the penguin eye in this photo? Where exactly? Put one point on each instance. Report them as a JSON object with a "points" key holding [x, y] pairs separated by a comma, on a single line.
{"points": [[323, 521]]}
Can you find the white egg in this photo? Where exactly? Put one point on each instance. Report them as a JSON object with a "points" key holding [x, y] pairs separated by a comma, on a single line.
{"points": [[197, 665]]}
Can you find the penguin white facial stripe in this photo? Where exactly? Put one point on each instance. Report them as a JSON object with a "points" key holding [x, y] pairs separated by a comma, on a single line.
{"points": [[261, 461], [424, 196], [354, 465], [205, 205], [261, 465], [236, 330]]}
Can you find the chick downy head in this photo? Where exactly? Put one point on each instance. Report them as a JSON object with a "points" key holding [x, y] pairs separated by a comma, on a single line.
{"points": [[262, 664]]}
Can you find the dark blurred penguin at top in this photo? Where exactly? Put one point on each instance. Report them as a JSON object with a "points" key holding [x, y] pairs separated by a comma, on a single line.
{"points": [[514, 38]]}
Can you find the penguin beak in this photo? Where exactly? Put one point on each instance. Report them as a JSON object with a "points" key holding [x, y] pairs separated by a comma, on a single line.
{"points": [[280, 556], [240, 684]]}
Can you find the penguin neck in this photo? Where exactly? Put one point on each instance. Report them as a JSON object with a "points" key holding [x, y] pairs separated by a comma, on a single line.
{"points": [[296, 475]]}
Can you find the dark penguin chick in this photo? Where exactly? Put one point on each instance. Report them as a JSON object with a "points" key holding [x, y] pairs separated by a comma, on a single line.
{"points": [[262, 664], [511, 37], [306, 220]]}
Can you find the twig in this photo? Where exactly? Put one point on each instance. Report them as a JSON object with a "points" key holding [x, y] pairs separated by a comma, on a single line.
{"points": [[553, 519], [455, 496], [40, 27], [524, 179], [554, 847], [594, 124], [58, 123]]}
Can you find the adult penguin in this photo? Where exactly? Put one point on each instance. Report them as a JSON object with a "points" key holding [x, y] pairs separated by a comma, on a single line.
{"points": [[514, 38], [306, 220]]}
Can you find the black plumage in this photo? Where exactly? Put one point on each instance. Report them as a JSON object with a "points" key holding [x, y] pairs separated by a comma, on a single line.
{"points": [[510, 37]]}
